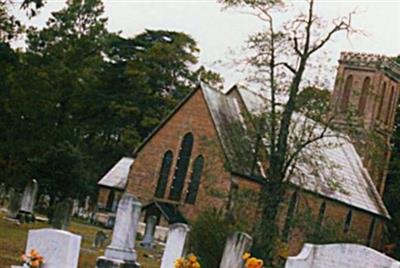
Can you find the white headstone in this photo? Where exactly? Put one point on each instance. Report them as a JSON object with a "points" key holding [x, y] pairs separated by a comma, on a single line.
{"points": [[121, 252], [29, 197], [175, 245], [60, 249], [340, 256], [235, 247]]}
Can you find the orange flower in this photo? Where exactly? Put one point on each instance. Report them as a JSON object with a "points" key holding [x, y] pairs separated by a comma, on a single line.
{"points": [[24, 258], [34, 253], [35, 264], [252, 262]]}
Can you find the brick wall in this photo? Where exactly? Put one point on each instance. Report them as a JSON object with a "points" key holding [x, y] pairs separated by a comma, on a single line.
{"points": [[376, 158], [359, 227], [192, 117]]}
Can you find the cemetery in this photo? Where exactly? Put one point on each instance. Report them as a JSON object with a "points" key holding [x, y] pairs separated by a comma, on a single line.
{"points": [[199, 134]]}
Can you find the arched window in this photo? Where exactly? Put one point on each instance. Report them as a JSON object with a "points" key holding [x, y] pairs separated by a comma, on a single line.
{"points": [[164, 173], [195, 180], [289, 216], [181, 167], [382, 98], [321, 214], [390, 106], [347, 223], [346, 93], [364, 94], [371, 232]]}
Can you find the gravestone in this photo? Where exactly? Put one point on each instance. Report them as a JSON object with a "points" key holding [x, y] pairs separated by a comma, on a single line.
{"points": [[60, 249], [175, 245], [28, 200], [14, 205], [121, 252], [235, 247], [99, 240], [148, 239], [3, 194], [62, 215], [75, 207], [87, 203], [340, 256]]}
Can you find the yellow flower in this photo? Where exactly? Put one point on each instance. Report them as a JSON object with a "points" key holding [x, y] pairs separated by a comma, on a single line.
{"points": [[180, 263], [246, 255], [192, 258]]}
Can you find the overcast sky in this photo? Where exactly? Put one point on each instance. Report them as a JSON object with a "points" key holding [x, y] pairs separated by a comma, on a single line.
{"points": [[218, 32]]}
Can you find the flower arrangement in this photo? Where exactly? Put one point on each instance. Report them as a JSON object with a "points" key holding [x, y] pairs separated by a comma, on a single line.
{"points": [[190, 262], [252, 262], [32, 260]]}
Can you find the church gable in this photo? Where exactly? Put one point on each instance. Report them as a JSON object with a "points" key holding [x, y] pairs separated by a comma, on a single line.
{"points": [[182, 161]]}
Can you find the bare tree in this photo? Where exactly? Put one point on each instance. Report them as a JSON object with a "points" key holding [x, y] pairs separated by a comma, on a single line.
{"points": [[280, 58]]}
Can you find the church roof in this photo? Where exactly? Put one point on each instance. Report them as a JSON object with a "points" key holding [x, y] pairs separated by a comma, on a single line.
{"points": [[344, 179], [117, 176]]}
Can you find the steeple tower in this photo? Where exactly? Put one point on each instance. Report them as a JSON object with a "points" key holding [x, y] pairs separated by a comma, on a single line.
{"points": [[368, 84]]}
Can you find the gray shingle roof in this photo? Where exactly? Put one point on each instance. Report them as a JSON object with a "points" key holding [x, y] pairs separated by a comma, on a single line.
{"points": [[342, 178], [117, 176]]}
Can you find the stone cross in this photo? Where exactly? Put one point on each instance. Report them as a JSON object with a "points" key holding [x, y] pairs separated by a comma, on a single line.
{"points": [[62, 215], [60, 249], [235, 247], [148, 240], [14, 205], [175, 245], [121, 252], [340, 256], [29, 198]]}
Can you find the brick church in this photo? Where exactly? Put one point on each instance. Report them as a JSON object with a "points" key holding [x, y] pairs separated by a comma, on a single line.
{"points": [[188, 164]]}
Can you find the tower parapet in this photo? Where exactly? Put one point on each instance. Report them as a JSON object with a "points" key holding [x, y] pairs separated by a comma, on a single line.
{"points": [[371, 61]]}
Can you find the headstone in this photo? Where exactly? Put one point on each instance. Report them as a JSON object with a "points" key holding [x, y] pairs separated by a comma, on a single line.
{"points": [[60, 249], [3, 194], [340, 256], [148, 239], [10, 194], [75, 207], [99, 240], [121, 252], [235, 247], [62, 215], [87, 203], [29, 199], [175, 245], [14, 205]]}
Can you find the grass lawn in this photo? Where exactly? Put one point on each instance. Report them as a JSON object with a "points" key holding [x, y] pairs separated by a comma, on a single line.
{"points": [[13, 240]]}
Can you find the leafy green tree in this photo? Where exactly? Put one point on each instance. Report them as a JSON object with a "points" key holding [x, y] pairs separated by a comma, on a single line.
{"points": [[80, 97]]}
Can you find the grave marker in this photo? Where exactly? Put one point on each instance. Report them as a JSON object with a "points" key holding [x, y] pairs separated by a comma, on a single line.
{"points": [[60, 249], [340, 256], [175, 245], [121, 252], [235, 247], [148, 239]]}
